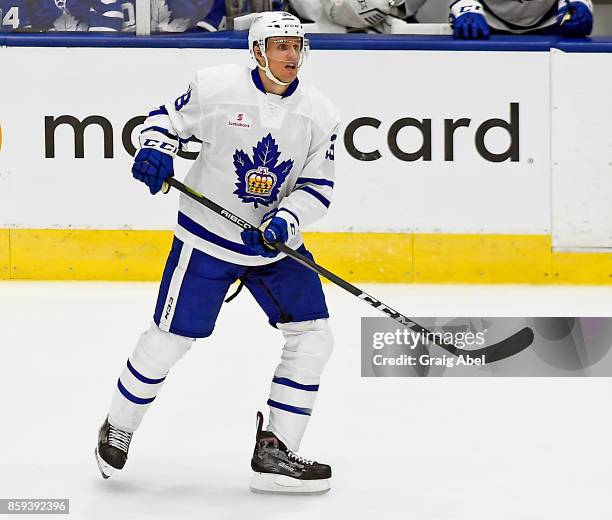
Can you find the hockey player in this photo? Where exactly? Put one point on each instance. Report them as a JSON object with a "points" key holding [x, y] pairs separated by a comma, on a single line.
{"points": [[76, 15], [476, 19], [267, 156]]}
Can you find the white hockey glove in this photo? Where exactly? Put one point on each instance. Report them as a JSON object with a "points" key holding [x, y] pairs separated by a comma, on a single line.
{"points": [[355, 13]]}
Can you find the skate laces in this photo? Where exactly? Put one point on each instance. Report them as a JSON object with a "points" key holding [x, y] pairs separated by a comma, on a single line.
{"points": [[118, 438], [297, 458]]}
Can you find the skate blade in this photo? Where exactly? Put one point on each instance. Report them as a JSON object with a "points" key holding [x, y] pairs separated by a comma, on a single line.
{"points": [[271, 484], [105, 469]]}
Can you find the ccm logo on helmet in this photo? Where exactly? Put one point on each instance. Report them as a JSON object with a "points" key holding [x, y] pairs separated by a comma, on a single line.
{"points": [[451, 127]]}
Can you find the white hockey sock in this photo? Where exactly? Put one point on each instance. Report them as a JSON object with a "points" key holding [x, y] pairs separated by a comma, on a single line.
{"points": [[146, 370], [294, 389]]}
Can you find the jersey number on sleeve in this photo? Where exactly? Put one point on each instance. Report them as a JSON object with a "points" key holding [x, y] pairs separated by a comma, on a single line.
{"points": [[330, 152], [11, 18]]}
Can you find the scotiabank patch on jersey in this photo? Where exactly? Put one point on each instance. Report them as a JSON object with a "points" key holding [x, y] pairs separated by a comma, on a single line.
{"points": [[260, 178]]}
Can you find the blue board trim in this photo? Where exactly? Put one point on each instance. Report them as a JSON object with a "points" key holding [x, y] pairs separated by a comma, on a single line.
{"points": [[597, 44], [238, 40]]}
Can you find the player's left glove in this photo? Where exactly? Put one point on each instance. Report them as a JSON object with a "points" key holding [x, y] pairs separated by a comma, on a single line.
{"points": [[575, 18], [278, 226]]}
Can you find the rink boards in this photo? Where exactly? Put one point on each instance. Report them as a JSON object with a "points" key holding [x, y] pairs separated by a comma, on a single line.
{"points": [[455, 163]]}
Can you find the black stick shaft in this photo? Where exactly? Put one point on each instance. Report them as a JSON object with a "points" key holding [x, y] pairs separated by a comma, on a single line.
{"points": [[497, 350]]}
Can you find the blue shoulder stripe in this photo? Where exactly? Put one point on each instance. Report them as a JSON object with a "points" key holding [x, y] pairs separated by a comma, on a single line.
{"points": [[289, 408], [161, 111], [161, 131], [293, 384], [316, 195], [310, 180]]}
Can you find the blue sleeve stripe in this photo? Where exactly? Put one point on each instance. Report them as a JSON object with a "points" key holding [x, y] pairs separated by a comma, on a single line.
{"points": [[292, 214], [142, 378], [131, 397], [269, 214], [289, 408], [161, 111], [293, 384], [161, 131], [196, 229], [310, 180], [316, 195]]}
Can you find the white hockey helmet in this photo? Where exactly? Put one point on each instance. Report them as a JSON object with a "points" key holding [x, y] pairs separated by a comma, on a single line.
{"points": [[270, 24]]}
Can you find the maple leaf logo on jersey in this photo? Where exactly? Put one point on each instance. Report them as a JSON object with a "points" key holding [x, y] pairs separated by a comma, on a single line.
{"points": [[260, 179]]}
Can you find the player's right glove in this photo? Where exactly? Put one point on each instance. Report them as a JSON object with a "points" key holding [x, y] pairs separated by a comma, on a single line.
{"points": [[279, 225], [152, 167], [468, 21], [575, 18], [253, 239]]}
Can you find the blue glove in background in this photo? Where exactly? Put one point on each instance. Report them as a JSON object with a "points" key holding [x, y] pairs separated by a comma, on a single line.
{"points": [[152, 167], [471, 26], [575, 20], [253, 239]]}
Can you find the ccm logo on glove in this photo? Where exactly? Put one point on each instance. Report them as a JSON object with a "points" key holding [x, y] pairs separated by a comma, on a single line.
{"points": [[160, 145]]}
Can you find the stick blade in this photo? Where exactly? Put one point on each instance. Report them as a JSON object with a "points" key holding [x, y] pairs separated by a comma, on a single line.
{"points": [[508, 347]]}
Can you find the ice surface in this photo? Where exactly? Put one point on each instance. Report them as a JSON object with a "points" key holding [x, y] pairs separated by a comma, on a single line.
{"points": [[418, 449]]}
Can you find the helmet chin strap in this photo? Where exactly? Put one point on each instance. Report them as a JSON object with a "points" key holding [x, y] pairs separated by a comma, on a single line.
{"points": [[269, 74]]}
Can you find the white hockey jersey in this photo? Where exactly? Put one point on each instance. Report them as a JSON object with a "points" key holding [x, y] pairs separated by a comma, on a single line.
{"points": [[259, 152]]}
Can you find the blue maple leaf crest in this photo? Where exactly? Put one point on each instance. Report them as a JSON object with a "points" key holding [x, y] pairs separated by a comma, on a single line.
{"points": [[260, 178]]}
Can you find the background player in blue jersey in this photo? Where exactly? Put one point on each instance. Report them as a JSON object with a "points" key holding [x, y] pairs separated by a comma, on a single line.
{"points": [[267, 156], [197, 15], [179, 15], [76, 15]]}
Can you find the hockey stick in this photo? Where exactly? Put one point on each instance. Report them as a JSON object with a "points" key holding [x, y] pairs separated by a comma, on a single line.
{"points": [[508, 347]]}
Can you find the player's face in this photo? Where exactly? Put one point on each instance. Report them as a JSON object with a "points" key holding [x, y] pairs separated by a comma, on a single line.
{"points": [[284, 56]]}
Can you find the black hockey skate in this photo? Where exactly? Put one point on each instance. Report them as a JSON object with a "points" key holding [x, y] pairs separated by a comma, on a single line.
{"points": [[280, 471], [112, 450]]}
